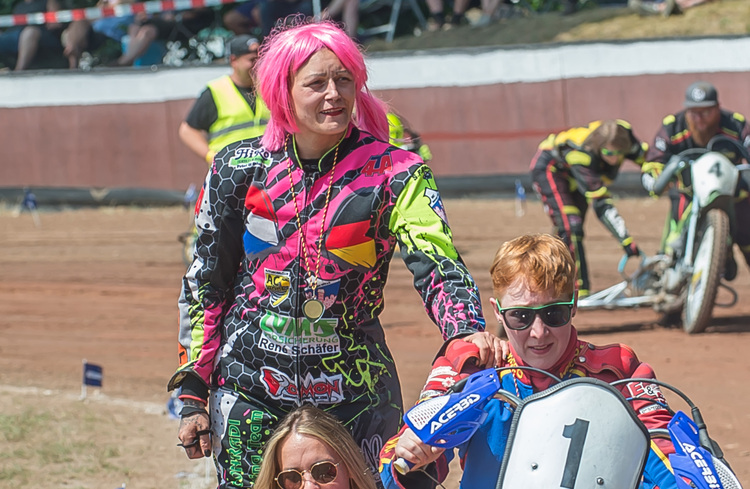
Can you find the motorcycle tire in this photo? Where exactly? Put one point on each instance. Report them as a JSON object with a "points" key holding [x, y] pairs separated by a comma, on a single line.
{"points": [[708, 264]]}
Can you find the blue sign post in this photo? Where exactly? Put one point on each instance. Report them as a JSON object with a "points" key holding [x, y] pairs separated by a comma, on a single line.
{"points": [[92, 375]]}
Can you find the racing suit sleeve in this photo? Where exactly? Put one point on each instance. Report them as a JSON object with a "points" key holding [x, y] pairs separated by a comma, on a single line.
{"points": [[658, 154], [662, 148], [449, 293], [652, 409], [458, 362], [592, 186], [208, 283]]}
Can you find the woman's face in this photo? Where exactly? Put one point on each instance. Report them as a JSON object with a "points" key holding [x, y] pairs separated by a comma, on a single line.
{"points": [[538, 345], [301, 452], [323, 94]]}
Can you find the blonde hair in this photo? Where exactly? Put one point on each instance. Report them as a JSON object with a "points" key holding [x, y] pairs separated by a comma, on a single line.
{"points": [[613, 132], [310, 421], [542, 261]]}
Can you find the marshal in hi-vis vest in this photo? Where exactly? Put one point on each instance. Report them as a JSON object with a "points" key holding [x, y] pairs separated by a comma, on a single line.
{"points": [[236, 120]]}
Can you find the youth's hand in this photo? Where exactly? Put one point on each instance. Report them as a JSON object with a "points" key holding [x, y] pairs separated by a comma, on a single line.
{"points": [[414, 450], [492, 350]]}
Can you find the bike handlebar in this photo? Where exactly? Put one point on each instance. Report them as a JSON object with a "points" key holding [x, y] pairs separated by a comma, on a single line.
{"points": [[679, 161], [674, 165]]}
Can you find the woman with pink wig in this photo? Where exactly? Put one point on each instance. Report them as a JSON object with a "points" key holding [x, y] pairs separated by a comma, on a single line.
{"points": [[297, 229]]}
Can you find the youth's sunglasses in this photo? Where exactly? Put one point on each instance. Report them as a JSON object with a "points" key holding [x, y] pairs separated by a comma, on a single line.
{"points": [[553, 315], [321, 472], [611, 152]]}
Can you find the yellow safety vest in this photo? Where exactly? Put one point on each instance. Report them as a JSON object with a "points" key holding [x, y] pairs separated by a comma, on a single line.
{"points": [[236, 120]]}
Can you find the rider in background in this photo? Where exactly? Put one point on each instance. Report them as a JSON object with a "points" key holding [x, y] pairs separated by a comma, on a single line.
{"points": [[693, 127], [572, 169], [402, 135], [533, 280], [229, 109]]}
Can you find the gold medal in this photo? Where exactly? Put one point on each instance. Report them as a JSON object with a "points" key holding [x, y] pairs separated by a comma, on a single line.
{"points": [[313, 309]]}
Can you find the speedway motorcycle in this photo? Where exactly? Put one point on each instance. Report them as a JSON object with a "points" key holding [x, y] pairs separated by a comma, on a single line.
{"points": [[579, 433], [684, 282]]}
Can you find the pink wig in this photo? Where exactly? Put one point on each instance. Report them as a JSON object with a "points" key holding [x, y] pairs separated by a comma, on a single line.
{"points": [[285, 51]]}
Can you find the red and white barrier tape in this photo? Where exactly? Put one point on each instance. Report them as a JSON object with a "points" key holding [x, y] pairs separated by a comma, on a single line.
{"points": [[93, 13]]}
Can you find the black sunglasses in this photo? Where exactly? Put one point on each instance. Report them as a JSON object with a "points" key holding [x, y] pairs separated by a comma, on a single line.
{"points": [[553, 315], [321, 472]]}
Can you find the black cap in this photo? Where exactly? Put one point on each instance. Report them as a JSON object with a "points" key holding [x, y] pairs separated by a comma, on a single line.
{"points": [[243, 44], [701, 94]]}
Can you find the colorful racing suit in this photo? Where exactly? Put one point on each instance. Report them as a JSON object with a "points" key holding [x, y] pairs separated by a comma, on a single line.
{"points": [[242, 330], [568, 177], [482, 455], [674, 137]]}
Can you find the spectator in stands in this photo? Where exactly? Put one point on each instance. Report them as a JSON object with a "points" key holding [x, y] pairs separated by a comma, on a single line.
{"points": [[260, 16], [229, 109], [244, 18], [24, 43], [490, 12], [84, 35], [436, 19], [279, 11], [347, 11], [164, 26]]}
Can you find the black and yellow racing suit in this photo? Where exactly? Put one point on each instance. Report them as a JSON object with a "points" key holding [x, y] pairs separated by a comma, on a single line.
{"points": [[568, 177], [673, 137]]}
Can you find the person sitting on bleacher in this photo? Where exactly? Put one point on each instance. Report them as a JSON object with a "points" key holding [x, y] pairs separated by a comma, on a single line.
{"points": [[84, 35], [25, 42], [163, 26], [347, 11], [244, 18], [436, 20]]}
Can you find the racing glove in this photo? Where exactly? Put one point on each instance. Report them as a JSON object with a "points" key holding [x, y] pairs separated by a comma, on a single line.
{"points": [[650, 172], [425, 153], [631, 249]]}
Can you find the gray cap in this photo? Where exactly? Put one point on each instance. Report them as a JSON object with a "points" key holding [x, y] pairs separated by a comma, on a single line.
{"points": [[243, 44], [701, 94]]}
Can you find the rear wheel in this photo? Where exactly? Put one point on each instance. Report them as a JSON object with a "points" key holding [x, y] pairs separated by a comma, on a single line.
{"points": [[708, 264]]}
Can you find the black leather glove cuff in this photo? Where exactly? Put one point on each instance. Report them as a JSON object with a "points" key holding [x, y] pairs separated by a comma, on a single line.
{"points": [[193, 387]]}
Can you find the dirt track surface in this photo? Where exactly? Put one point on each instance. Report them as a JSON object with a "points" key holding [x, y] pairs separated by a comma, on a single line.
{"points": [[102, 284]]}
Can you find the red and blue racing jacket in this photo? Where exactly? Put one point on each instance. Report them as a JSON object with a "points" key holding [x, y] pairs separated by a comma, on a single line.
{"points": [[241, 321], [481, 457]]}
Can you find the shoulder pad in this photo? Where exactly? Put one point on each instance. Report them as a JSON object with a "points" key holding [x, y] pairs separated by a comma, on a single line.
{"points": [[548, 143], [739, 117], [575, 136], [617, 358], [578, 158], [669, 120], [624, 123]]}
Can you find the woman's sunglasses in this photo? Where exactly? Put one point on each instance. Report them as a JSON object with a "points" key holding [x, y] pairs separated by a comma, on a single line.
{"points": [[321, 472], [553, 315]]}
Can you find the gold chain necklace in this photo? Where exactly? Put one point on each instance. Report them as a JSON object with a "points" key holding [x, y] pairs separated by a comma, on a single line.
{"points": [[312, 308]]}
